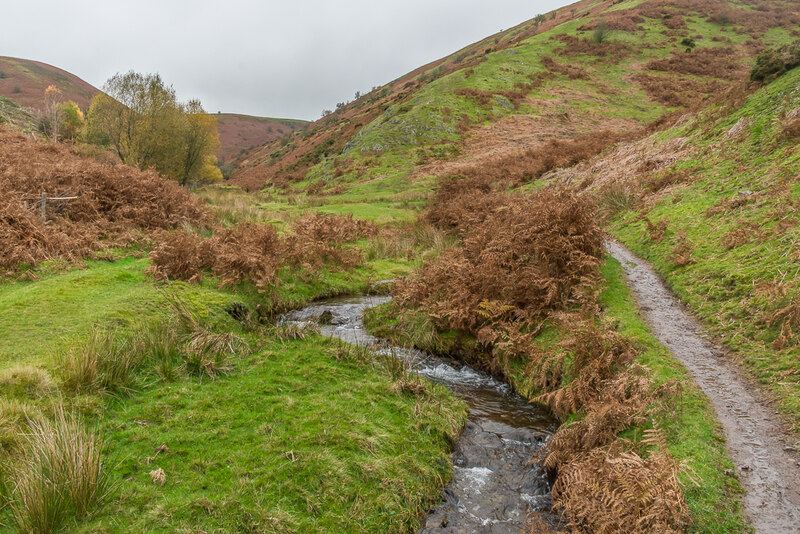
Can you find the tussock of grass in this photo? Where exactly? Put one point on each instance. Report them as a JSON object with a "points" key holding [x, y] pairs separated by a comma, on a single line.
{"points": [[14, 417], [59, 475], [162, 342], [109, 361], [106, 361], [26, 382]]}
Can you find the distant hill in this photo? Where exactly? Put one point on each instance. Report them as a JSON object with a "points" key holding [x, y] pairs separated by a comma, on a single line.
{"points": [[239, 133], [597, 65], [24, 81]]}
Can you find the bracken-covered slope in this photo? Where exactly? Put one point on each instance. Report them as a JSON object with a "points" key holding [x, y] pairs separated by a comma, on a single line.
{"points": [[24, 81], [102, 204], [714, 203], [556, 77], [240, 133]]}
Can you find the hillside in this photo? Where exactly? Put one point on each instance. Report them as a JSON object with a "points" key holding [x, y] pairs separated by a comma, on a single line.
{"points": [[185, 332], [713, 202], [15, 117], [240, 133], [24, 81], [556, 77]]}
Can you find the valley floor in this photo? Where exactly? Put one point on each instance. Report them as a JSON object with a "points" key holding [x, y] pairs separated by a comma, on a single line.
{"points": [[300, 434]]}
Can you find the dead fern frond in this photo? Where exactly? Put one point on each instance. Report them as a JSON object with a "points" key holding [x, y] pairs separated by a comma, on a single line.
{"points": [[658, 231], [611, 490], [681, 255]]}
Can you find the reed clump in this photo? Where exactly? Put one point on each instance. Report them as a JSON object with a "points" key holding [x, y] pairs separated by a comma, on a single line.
{"points": [[59, 475]]}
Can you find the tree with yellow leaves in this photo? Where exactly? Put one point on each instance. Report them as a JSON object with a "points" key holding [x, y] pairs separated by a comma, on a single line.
{"points": [[200, 142], [139, 117], [50, 118], [72, 120]]}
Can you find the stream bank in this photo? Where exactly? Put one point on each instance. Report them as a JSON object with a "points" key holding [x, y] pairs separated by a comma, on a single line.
{"points": [[494, 485]]}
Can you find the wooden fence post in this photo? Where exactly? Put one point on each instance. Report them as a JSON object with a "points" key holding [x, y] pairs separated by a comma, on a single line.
{"points": [[44, 207]]}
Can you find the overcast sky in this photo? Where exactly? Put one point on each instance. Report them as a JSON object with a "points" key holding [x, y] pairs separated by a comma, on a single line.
{"points": [[287, 58]]}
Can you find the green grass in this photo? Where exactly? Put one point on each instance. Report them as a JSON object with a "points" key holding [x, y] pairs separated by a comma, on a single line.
{"points": [[40, 319], [727, 287], [37, 319], [379, 212], [692, 432], [297, 436], [298, 439]]}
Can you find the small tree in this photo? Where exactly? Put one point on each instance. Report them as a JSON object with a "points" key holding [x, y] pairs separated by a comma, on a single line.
{"points": [[601, 32], [200, 140], [72, 120], [51, 116], [140, 118]]}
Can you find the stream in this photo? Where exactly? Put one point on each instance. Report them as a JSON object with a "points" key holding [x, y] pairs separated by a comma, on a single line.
{"points": [[495, 485]]}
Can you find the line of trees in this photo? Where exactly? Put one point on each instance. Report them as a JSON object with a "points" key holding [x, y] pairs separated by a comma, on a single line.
{"points": [[139, 117]]}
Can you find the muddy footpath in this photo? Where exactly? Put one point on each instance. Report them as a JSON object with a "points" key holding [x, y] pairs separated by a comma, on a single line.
{"points": [[766, 464]]}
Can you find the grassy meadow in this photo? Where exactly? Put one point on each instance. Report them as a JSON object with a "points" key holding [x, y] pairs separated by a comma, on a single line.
{"points": [[208, 416]]}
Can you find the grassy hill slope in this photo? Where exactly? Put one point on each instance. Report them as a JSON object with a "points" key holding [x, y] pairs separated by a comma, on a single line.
{"points": [[713, 202], [15, 117], [585, 68]]}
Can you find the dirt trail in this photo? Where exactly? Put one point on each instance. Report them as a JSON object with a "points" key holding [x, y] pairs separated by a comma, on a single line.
{"points": [[768, 470]]}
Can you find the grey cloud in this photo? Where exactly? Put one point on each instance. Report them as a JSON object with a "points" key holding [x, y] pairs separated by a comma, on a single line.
{"points": [[284, 59]]}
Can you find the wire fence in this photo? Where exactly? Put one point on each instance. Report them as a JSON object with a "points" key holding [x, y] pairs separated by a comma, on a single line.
{"points": [[40, 203]]}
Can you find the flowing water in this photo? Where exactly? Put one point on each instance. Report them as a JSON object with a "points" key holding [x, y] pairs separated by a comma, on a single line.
{"points": [[495, 485]]}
